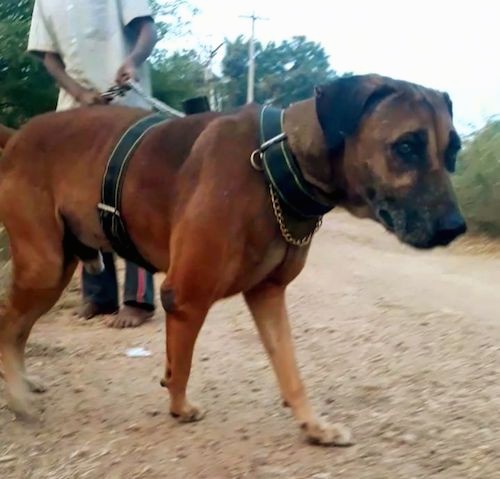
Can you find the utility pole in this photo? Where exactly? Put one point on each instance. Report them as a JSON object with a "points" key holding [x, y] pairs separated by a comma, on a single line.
{"points": [[251, 57]]}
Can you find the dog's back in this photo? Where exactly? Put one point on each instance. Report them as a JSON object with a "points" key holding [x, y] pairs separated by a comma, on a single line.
{"points": [[75, 144], [63, 155]]}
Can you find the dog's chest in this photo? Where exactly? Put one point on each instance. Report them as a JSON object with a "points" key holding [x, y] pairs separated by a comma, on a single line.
{"points": [[272, 259], [279, 262]]}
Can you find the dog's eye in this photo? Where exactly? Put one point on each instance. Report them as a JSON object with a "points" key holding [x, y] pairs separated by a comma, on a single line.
{"points": [[404, 148], [408, 151]]}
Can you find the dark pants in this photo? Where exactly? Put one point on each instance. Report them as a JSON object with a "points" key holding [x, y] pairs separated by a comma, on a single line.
{"points": [[102, 289]]}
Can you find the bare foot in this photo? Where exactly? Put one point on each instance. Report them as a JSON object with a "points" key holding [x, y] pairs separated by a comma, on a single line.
{"points": [[129, 317], [90, 310], [94, 266], [328, 435]]}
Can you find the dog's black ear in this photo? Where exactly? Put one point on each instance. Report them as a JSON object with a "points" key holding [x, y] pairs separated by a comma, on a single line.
{"points": [[449, 103], [341, 105]]}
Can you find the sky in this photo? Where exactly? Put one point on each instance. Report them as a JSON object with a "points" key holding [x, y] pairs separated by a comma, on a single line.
{"points": [[441, 44]]}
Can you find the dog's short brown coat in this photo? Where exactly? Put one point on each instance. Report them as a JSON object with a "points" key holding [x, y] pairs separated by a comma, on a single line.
{"points": [[199, 212]]}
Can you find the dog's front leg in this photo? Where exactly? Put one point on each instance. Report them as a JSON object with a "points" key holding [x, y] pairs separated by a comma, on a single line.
{"points": [[267, 304]]}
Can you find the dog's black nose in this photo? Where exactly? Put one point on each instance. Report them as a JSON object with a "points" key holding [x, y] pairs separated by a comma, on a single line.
{"points": [[449, 227]]}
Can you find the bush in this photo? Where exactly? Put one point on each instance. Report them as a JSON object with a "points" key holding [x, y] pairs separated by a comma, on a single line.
{"points": [[477, 180]]}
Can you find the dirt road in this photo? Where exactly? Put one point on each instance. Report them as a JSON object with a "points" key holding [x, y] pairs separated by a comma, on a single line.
{"points": [[403, 347]]}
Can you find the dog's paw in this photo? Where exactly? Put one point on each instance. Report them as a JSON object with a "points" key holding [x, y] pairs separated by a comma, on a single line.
{"points": [[188, 413], [22, 409], [35, 385], [328, 434]]}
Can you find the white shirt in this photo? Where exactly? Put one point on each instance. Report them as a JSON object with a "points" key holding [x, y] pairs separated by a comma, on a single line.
{"points": [[90, 37]]}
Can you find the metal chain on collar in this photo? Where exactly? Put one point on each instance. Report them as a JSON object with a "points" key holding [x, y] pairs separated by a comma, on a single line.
{"points": [[278, 213]]}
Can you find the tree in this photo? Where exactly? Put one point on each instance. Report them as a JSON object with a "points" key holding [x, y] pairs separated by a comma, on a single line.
{"points": [[171, 20], [285, 72], [25, 88], [235, 71], [177, 77]]}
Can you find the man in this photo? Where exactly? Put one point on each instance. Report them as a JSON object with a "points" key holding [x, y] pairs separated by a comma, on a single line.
{"points": [[87, 46]]}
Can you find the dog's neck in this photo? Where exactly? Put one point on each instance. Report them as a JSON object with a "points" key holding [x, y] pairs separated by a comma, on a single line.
{"points": [[307, 143]]}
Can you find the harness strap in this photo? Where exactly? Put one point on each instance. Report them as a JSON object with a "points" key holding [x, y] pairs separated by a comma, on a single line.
{"points": [[283, 172], [113, 223]]}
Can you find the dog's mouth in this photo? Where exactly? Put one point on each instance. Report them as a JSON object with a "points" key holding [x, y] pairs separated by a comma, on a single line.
{"points": [[408, 225], [418, 228], [388, 214], [386, 219]]}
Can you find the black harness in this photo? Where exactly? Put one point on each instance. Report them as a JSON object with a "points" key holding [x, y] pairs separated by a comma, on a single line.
{"points": [[300, 204], [109, 208]]}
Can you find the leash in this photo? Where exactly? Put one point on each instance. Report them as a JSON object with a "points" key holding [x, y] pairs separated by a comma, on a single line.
{"points": [[120, 90]]}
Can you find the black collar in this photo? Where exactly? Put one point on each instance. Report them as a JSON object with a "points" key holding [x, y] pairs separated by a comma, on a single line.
{"points": [[282, 170]]}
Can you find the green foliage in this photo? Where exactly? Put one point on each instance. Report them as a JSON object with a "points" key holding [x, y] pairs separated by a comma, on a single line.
{"points": [[285, 72], [170, 18], [25, 88], [177, 77], [477, 179], [234, 70]]}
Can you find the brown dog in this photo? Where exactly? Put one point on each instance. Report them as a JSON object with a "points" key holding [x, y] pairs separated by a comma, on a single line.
{"points": [[197, 210]]}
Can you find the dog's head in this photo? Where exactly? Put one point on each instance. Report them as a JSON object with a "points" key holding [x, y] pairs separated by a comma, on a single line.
{"points": [[395, 147]]}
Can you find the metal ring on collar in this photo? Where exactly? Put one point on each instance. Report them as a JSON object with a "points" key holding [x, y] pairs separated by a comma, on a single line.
{"points": [[253, 161]]}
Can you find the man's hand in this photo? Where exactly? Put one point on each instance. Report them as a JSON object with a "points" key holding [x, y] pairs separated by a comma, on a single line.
{"points": [[90, 97], [144, 30], [128, 71], [55, 66]]}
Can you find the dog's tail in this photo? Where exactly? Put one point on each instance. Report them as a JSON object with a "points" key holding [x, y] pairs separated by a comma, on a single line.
{"points": [[5, 135]]}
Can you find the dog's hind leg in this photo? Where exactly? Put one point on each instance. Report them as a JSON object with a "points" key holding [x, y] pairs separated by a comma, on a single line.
{"points": [[267, 304], [40, 273]]}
